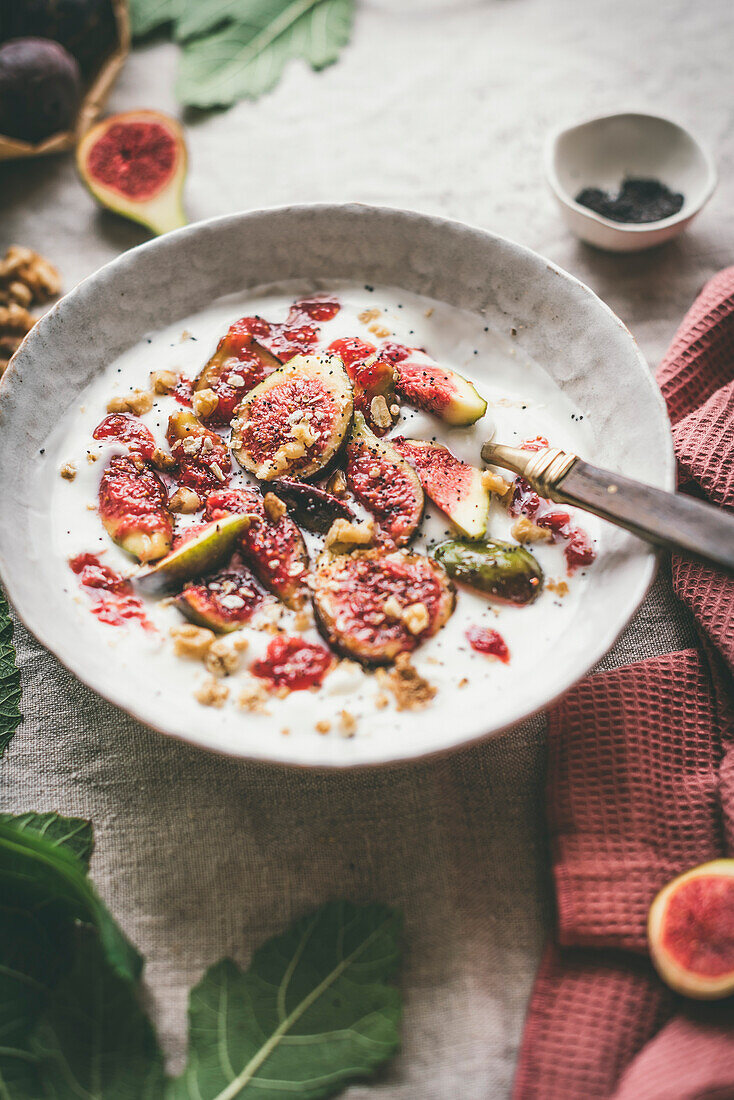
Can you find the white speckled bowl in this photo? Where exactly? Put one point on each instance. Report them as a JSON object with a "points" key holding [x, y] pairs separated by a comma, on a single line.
{"points": [[559, 323], [604, 151]]}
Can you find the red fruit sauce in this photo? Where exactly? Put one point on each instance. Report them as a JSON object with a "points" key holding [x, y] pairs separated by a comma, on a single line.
{"points": [[487, 641], [351, 350], [136, 159], [129, 430], [698, 926], [526, 502], [116, 605], [536, 444], [292, 663]]}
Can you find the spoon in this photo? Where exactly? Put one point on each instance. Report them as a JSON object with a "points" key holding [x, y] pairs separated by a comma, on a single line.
{"points": [[679, 522]]}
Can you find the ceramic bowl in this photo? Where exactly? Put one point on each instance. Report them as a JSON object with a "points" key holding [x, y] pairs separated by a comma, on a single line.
{"points": [[604, 151], [556, 320]]}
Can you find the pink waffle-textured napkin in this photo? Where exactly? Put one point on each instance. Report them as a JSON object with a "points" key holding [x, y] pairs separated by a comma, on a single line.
{"points": [[640, 788]]}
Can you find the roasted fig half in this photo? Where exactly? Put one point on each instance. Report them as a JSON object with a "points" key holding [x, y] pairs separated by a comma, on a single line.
{"points": [[384, 482], [238, 364], [223, 602], [311, 506], [501, 570], [133, 507], [272, 545], [294, 422], [458, 489], [373, 378], [194, 556], [375, 604], [690, 931], [201, 454]]}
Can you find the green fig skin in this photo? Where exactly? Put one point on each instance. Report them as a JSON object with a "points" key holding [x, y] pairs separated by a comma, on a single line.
{"points": [[501, 570], [199, 555]]}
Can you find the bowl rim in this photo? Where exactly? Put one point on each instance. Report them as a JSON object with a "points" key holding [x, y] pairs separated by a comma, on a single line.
{"points": [[605, 640], [631, 228]]}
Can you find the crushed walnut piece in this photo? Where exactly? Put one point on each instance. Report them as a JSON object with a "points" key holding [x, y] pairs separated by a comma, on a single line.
{"points": [[392, 608], [191, 641], [26, 279], [303, 620], [344, 533], [253, 697], [347, 724], [380, 412], [381, 700], [559, 587], [212, 693], [379, 331], [495, 483], [524, 530], [223, 657], [203, 403], [162, 460], [368, 315], [416, 618], [411, 690], [68, 471], [163, 381], [137, 402], [185, 501], [275, 509]]}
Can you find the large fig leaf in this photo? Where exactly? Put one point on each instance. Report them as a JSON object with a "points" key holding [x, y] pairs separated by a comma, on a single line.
{"points": [[312, 1013], [9, 678], [72, 833]]}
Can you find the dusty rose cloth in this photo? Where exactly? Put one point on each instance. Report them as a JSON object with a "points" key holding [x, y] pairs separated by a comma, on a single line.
{"points": [[640, 788]]}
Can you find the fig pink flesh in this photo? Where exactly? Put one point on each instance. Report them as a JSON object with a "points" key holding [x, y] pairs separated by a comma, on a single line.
{"points": [[698, 926]]}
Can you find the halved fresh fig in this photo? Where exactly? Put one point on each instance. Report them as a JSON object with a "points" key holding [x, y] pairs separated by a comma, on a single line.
{"points": [[311, 506], [128, 430], [272, 545], [690, 931], [373, 378], [238, 364], [135, 164], [223, 602], [438, 390], [384, 482], [374, 604], [201, 454], [194, 556], [458, 489], [133, 507], [501, 570], [294, 422]]}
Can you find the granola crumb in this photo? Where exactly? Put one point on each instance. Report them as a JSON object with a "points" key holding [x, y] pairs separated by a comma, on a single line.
{"points": [[212, 693], [347, 724], [203, 403], [137, 403], [68, 471], [345, 533], [379, 331], [285, 732], [191, 641], [275, 509], [381, 701], [380, 412], [185, 501], [429, 312], [92, 457], [303, 620], [411, 690], [524, 530], [368, 315], [560, 587], [463, 682], [392, 608], [323, 726], [222, 658], [416, 618], [163, 381], [185, 335], [253, 697]]}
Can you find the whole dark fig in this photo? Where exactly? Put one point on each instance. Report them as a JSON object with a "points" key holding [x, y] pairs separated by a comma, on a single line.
{"points": [[40, 89], [86, 28]]}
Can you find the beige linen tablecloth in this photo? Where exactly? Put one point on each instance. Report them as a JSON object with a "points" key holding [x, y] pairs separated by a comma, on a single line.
{"points": [[441, 106]]}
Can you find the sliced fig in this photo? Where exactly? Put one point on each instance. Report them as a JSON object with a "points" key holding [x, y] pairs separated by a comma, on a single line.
{"points": [[384, 482], [135, 164], [690, 931], [458, 489], [195, 556], [373, 378], [238, 364], [375, 604], [272, 545], [223, 602], [294, 422], [311, 506], [201, 454], [436, 389], [133, 507], [501, 570], [128, 430]]}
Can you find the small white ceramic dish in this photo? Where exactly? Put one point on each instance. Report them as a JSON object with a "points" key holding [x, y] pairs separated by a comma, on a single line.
{"points": [[538, 309], [602, 152]]}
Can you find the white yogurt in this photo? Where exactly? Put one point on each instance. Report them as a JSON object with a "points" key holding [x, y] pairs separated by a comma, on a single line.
{"points": [[524, 402]]}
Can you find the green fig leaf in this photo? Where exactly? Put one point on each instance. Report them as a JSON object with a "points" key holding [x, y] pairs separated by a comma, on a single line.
{"points": [[150, 15], [313, 1012], [73, 833], [9, 679]]}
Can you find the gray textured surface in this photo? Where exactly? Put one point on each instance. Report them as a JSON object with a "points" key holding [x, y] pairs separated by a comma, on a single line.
{"points": [[443, 107]]}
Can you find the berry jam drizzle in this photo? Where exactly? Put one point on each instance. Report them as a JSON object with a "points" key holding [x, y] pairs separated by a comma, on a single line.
{"points": [[116, 605], [292, 663], [526, 502], [489, 642]]}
